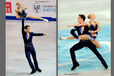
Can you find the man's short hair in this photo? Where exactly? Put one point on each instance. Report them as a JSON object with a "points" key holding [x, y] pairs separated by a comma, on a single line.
{"points": [[82, 17], [27, 26]]}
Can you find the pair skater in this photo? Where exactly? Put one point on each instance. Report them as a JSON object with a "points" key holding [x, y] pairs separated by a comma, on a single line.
{"points": [[85, 41], [27, 37], [21, 13], [29, 48], [94, 27]]}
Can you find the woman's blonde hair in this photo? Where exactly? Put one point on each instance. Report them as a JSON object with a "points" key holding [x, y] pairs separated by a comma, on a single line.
{"points": [[17, 3], [90, 15]]}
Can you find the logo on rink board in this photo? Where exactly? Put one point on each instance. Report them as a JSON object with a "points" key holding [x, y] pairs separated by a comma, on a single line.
{"points": [[43, 6], [36, 7]]}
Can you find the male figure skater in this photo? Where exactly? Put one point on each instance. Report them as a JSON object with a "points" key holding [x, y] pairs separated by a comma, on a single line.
{"points": [[84, 43], [29, 48]]}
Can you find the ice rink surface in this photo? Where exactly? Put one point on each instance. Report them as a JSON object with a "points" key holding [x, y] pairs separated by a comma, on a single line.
{"points": [[89, 63], [45, 46]]}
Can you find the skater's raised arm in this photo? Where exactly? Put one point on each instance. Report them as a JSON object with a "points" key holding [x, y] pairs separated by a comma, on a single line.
{"points": [[23, 31]]}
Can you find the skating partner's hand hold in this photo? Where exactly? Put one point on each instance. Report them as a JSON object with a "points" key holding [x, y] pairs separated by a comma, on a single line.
{"points": [[46, 20], [92, 32], [45, 34], [79, 38]]}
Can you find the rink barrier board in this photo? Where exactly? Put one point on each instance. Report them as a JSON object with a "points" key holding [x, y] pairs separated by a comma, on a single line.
{"points": [[14, 18]]}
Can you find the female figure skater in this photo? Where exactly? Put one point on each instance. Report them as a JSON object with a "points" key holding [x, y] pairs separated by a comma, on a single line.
{"points": [[20, 11], [94, 27]]}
